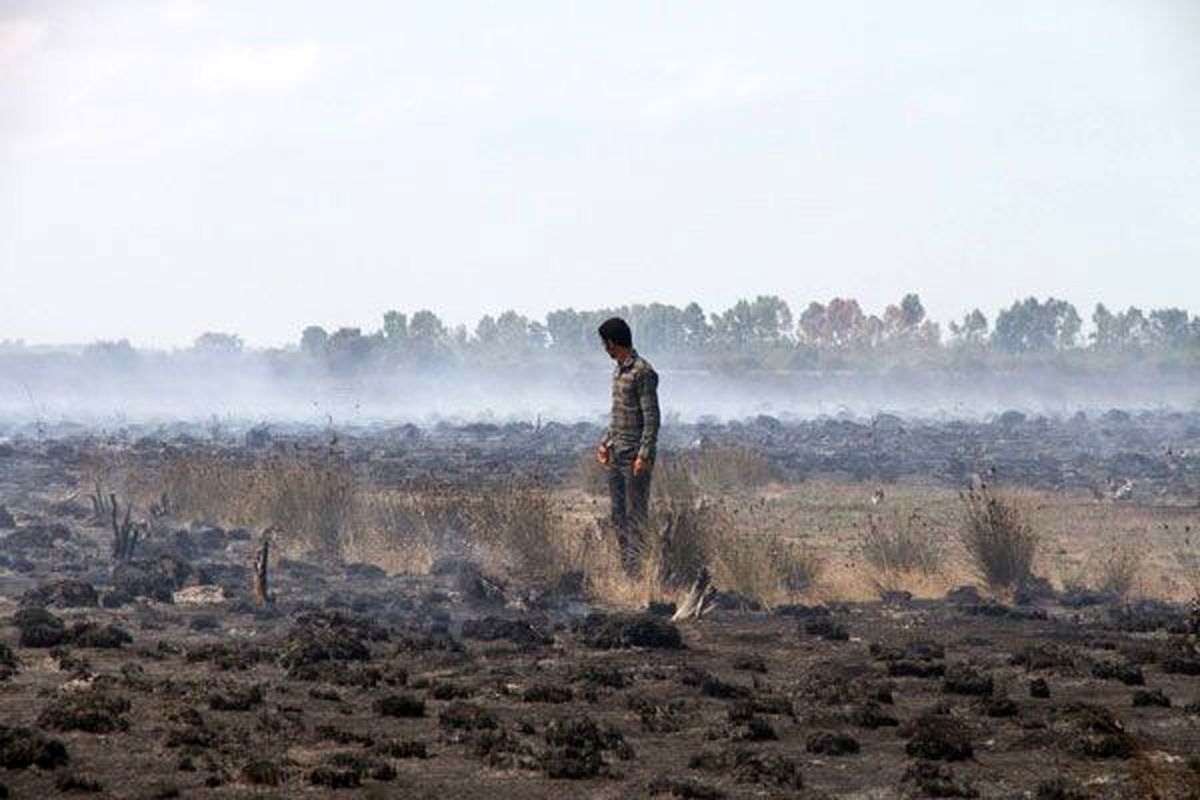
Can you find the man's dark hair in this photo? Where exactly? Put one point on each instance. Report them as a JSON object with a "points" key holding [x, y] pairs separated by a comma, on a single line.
{"points": [[616, 330]]}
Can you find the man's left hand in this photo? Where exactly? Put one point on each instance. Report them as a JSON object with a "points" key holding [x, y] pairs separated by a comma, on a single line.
{"points": [[641, 466]]}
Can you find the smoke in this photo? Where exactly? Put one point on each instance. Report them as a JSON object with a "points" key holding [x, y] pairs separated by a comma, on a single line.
{"points": [[101, 390]]}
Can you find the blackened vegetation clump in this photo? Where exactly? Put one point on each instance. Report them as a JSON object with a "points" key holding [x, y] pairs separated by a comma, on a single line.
{"points": [[320, 638], [40, 628], [750, 766], [8, 662], [938, 737], [90, 710], [63, 593], [23, 747], [491, 629], [577, 746], [610, 632], [1095, 732]]}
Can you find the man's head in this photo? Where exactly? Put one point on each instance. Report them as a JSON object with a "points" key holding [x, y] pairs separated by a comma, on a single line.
{"points": [[617, 338]]}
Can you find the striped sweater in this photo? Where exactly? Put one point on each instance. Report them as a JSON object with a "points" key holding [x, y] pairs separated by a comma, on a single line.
{"points": [[635, 417]]}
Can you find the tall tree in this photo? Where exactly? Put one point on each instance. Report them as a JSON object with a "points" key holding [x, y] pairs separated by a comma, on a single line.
{"points": [[313, 340], [1030, 326], [972, 330], [395, 329], [219, 344]]}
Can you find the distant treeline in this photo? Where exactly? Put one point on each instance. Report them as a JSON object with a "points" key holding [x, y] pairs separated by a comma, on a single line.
{"points": [[762, 333]]}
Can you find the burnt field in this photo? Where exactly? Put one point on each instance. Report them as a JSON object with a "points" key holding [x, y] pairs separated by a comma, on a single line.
{"points": [[1159, 451], [442, 612]]}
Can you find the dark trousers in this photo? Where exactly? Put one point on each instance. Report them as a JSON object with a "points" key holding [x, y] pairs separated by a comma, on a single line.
{"points": [[630, 496]]}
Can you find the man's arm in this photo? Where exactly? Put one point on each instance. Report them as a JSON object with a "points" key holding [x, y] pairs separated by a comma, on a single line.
{"points": [[647, 387]]}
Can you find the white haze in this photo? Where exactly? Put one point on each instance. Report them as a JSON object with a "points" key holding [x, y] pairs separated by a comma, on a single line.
{"points": [[66, 391]]}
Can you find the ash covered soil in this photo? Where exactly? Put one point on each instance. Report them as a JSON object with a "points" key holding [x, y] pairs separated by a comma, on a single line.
{"points": [[163, 677]]}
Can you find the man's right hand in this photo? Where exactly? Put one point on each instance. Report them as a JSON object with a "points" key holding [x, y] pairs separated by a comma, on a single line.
{"points": [[603, 454]]}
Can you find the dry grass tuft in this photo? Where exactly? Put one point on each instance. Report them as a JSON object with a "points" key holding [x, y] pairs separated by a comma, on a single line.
{"points": [[311, 499], [690, 531], [1000, 545], [900, 551], [589, 476], [764, 567], [716, 471], [1120, 569], [517, 529], [403, 531], [728, 469]]}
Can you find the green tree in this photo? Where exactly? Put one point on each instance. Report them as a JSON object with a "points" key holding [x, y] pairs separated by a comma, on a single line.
{"points": [[395, 329], [347, 349], [1170, 328], [1030, 326], [218, 344], [972, 330], [313, 340], [429, 341], [696, 331]]}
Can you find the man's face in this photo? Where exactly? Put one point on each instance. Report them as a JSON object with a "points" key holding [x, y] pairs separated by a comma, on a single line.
{"points": [[611, 349]]}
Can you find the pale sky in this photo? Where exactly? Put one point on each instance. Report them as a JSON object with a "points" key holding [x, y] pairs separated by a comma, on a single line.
{"points": [[168, 168]]}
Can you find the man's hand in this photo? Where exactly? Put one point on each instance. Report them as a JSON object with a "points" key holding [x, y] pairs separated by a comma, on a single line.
{"points": [[603, 454], [641, 466]]}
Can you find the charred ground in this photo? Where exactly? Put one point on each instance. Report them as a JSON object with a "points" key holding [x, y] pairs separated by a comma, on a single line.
{"points": [[159, 675]]}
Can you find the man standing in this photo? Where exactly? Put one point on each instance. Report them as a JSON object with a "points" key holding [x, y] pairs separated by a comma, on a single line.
{"points": [[629, 448]]}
